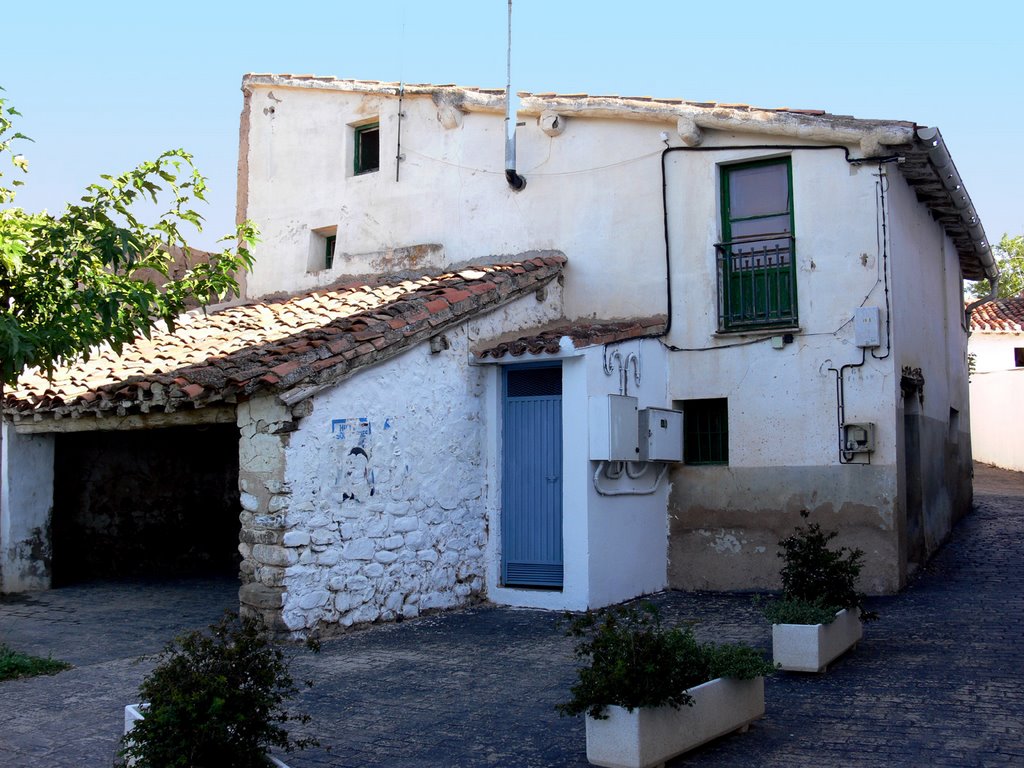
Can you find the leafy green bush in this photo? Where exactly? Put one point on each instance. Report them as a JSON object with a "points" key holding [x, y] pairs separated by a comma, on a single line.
{"points": [[632, 660], [799, 612], [817, 582], [15, 664], [216, 699]]}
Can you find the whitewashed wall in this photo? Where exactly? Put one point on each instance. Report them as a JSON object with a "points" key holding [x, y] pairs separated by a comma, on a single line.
{"points": [[594, 191], [26, 504], [994, 351], [782, 402], [614, 547], [930, 335], [387, 514], [997, 420]]}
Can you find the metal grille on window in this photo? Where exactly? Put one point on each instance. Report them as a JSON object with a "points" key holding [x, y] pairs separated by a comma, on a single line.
{"points": [[534, 382]]}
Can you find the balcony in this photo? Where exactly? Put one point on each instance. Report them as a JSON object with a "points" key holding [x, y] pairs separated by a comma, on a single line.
{"points": [[756, 282]]}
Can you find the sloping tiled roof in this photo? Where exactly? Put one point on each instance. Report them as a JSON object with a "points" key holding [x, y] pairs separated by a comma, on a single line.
{"points": [[999, 316], [309, 340], [584, 333]]}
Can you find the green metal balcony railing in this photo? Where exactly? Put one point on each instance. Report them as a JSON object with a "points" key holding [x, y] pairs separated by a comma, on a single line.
{"points": [[756, 282]]}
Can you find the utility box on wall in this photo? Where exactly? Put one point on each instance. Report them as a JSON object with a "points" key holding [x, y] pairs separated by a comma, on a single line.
{"points": [[661, 435], [867, 327], [613, 428], [859, 438]]}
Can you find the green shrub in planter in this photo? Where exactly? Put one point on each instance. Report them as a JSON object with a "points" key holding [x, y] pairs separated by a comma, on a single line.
{"points": [[216, 700], [817, 582], [631, 660]]}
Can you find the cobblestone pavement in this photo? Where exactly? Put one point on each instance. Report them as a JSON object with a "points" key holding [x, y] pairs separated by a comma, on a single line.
{"points": [[937, 681]]}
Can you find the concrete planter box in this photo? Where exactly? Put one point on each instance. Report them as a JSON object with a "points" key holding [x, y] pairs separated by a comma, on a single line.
{"points": [[812, 647], [135, 712], [650, 736]]}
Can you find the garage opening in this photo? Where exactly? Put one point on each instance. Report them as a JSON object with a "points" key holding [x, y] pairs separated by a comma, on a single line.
{"points": [[153, 503]]}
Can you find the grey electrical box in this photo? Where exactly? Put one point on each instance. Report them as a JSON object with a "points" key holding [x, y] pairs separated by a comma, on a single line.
{"points": [[613, 428], [867, 323], [661, 435], [858, 438]]}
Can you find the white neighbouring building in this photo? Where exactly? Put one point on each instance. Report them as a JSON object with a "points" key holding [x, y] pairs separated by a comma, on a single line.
{"points": [[437, 381], [997, 383]]}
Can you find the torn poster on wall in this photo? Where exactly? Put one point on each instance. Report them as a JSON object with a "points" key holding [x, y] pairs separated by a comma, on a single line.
{"points": [[362, 453]]}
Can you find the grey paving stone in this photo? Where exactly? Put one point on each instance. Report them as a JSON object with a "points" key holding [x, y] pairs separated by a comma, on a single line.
{"points": [[937, 681]]}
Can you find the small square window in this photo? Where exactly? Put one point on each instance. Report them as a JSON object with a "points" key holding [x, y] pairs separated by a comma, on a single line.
{"points": [[1018, 357], [706, 431], [323, 243], [367, 148]]}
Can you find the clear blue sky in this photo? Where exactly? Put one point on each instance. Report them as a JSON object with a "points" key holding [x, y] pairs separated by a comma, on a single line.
{"points": [[105, 85]]}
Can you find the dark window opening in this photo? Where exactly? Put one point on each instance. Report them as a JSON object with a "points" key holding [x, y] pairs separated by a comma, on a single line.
{"points": [[329, 243], [706, 431], [367, 148], [1018, 357]]}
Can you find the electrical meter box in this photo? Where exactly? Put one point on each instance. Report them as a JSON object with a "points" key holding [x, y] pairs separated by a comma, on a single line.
{"points": [[661, 435], [613, 428], [867, 325], [858, 438]]}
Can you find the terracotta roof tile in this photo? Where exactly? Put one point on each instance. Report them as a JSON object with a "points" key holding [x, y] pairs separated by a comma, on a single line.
{"points": [[271, 346], [582, 333], [999, 316]]}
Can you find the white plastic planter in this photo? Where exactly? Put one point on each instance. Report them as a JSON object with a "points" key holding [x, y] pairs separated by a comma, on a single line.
{"points": [[135, 712], [648, 737], [812, 647]]}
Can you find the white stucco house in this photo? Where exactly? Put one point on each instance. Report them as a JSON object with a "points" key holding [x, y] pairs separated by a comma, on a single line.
{"points": [[625, 363], [997, 383]]}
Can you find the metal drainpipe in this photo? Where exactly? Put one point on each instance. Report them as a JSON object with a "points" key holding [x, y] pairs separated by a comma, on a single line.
{"points": [[994, 284], [517, 182]]}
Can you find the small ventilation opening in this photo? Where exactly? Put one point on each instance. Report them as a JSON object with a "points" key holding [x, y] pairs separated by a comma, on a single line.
{"points": [[534, 382]]}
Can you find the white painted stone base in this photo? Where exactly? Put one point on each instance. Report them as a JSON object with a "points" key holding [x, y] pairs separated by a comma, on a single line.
{"points": [[812, 647], [648, 737], [135, 712]]}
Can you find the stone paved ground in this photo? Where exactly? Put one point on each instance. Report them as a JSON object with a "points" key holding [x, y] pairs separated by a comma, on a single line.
{"points": [[937, 681]]}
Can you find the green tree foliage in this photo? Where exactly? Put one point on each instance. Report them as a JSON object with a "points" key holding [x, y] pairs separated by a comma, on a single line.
{"points": [[99, 273], [1010, 257]]}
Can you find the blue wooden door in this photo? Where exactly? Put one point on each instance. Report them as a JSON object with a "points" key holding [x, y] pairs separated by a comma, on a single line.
{"points": [[531, 521]]}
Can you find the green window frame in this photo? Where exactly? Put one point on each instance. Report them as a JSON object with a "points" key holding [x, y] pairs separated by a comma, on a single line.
{"points": [[366, 146], [706, 431], [757, 255]]}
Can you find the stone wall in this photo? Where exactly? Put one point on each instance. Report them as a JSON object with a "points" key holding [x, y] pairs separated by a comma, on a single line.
{"points": [[372, 506]]}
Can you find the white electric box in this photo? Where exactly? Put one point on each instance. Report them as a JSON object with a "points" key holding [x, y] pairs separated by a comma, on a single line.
{"points": [[661, 435], [867, 323], [613, 428], [858, 438]]}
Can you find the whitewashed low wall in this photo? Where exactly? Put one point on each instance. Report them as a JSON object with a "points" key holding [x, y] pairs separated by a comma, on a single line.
{"points": [[997, 420], [386, 485]]}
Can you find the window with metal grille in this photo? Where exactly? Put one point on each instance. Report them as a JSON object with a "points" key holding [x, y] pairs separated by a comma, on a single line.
{"points": [[706, 431], [534, 382], [756, 264], [367, 148]]}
